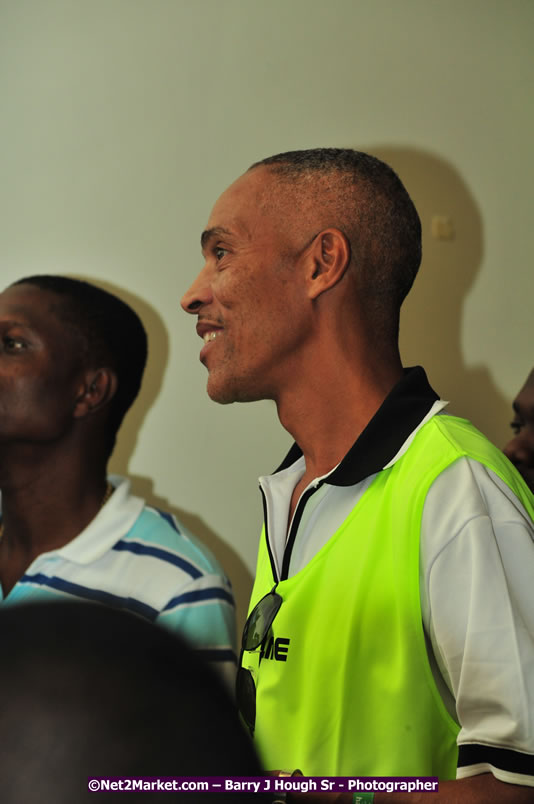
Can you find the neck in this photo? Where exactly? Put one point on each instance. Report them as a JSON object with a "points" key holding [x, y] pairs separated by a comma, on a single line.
{"points": [[46, 503], [335, 382], [330, 408]]}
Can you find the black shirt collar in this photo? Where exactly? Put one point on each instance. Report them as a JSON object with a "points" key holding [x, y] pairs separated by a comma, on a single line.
{"points": [[399, 414]]}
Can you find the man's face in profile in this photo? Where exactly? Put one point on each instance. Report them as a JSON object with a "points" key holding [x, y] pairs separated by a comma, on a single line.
{"points": [[249, 303], [520, 450]]}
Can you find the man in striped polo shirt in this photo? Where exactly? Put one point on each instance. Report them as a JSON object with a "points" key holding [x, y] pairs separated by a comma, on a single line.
{"points": [[71, 363]]}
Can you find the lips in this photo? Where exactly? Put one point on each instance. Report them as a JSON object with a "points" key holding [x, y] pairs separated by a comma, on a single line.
{"points": [[209, 331], [208, 328]]}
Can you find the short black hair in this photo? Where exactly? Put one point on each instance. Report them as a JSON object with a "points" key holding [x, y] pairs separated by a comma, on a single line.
{"points": [[109, 333], [91, 691], [383, 224]]}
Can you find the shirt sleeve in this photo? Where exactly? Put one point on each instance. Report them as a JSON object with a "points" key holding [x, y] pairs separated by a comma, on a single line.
{"points": [[477, 594], [203, 613]]}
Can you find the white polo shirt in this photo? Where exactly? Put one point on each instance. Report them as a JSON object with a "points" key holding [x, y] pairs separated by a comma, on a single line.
{"points": [[476, 576]]}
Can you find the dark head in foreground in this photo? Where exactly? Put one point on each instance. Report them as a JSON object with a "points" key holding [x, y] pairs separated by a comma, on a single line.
{"points": [[88, 691]]}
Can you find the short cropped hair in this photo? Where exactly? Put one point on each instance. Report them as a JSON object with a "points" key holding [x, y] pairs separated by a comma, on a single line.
{"points": [[365, 196], [109, 334]]}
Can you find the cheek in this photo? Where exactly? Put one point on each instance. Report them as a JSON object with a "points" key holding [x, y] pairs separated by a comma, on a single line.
{"points": [[42, 400]]}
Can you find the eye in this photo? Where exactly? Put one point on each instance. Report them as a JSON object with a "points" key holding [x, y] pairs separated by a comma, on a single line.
{"points": [[516, 426], [14, 345], [219, 252]]}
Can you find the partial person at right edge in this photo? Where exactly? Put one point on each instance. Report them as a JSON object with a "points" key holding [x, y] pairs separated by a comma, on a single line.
{"points": [[72, 358], [520, 449]]}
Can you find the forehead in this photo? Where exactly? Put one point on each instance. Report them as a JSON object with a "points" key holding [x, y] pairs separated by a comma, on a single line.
{"points": [[30, 306], [244, 207]]}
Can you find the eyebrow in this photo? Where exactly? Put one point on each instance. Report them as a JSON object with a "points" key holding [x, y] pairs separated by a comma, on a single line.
{"points": [[14, 322], [208, 234]]}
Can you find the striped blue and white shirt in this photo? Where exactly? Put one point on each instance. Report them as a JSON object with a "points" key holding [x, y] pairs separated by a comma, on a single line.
{"points": [[142, 560]]}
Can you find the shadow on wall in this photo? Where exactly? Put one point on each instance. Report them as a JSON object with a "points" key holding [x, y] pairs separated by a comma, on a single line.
{"points": [[431, 319], [158, 353]]}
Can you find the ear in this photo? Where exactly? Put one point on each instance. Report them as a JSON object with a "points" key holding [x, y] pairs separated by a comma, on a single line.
{"points": [[96, 390], [330, 257]]}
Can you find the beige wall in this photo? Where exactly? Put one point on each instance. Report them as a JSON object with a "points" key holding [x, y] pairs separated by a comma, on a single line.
{"points": [[122, 120]]}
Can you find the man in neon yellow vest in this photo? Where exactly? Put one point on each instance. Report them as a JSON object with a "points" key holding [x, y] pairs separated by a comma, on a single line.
{"points": [[392, 618]]}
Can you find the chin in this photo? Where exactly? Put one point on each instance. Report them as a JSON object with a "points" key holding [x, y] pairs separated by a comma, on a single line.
{"points": [[219, 392], [231, 391], [221, 399]]}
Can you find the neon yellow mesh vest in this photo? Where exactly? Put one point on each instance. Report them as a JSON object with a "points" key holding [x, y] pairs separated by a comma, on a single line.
{"points": [[352, 692]]}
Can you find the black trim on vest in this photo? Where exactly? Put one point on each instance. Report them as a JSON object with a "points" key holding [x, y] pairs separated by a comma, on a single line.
{"points": [[294, 528], [400, 413], [267, 540], [503, 758]]}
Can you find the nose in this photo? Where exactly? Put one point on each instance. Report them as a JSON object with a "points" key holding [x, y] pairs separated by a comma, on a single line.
{"points": [[198, 294]]}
